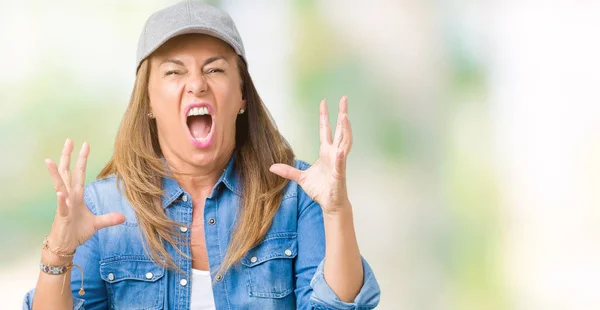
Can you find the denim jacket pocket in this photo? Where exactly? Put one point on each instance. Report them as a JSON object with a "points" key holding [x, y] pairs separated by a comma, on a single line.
{"points": [[269, 266], [133, 282]]}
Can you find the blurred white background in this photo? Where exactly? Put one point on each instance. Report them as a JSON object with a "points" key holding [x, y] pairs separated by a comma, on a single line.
{"points": [[475, 169]]}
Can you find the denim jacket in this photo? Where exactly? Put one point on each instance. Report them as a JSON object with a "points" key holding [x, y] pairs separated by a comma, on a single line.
{"points": [[284, 271]]}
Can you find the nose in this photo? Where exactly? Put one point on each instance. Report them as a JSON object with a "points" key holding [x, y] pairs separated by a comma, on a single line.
{"points": [[197, 85]]}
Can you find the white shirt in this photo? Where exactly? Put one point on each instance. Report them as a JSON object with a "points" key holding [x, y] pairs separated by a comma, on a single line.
{"points": [[202, 293]]}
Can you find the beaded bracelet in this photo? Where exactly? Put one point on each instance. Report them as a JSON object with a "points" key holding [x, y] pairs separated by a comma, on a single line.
{"points": [[54, 270], [58, 270]]}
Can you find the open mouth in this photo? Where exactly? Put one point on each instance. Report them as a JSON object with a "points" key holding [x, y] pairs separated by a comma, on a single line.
{"points": [[199, 121]]}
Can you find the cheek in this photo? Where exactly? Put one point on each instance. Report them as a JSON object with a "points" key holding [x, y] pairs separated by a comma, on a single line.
{"points": [[228, 94], [164, 98], [228, 98]]}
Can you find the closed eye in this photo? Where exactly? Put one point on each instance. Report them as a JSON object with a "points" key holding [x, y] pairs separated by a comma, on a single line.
{"points": [[171, 72], [214, 70]]}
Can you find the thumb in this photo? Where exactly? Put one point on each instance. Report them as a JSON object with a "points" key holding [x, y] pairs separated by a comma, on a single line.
{"points": [[110, 219], [286, 171]]}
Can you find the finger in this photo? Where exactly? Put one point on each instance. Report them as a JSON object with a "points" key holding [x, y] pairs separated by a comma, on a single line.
{"points": [[64, 166], [79, 172], [343, 105], [324, 130], [342, 109], [340, 163], [62, 208], [339, 133], [107, 220], [286, 171], [57, 180], [346, 142]]}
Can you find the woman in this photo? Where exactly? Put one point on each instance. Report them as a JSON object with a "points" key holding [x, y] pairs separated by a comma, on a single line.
{"points": [[194, 210]]}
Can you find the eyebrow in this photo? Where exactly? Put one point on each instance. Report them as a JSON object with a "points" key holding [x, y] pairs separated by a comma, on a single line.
{"points": [[180, 63], [213, 59], [175, 61]]}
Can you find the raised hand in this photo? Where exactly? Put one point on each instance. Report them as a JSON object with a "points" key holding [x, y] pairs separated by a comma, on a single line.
{"points": [[325, 181], [73, 222]]}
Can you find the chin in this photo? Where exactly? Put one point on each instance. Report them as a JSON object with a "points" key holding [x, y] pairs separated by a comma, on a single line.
{"points": [[202, 157]]}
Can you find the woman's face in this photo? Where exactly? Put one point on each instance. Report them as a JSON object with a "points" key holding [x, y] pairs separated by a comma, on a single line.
{"points": [[195, 95]]}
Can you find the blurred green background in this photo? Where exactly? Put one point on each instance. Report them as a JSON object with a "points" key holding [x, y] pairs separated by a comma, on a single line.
{"points": [[467, 118]]}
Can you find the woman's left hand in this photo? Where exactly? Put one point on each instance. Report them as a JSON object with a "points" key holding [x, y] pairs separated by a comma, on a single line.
{"points": [[325, 181]]}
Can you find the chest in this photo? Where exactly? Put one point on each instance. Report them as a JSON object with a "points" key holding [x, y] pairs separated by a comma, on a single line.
{"points": [[197, 237], [263, 279]]}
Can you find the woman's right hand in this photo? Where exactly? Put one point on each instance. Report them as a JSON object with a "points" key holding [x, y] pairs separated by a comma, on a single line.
{"points": [[73, 222]]}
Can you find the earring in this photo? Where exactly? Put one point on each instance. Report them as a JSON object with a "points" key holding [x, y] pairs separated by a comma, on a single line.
{"points": [[241, 111], [150, 115]]}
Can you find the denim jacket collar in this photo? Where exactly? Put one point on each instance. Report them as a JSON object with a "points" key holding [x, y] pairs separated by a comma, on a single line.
{"points": [[172, 190]]}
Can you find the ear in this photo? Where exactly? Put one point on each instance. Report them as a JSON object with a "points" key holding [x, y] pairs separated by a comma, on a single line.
{"points": [[149, 106]]}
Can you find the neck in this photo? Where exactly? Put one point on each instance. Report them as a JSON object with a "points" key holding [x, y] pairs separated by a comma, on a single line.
{"points": [[198, 181]]}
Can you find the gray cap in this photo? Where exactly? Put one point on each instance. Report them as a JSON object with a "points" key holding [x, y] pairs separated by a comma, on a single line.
{"points": [[183, 18]]}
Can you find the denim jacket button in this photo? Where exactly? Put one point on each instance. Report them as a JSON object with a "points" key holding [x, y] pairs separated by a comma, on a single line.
{"points": [[219, 277], [253, 259], [111, 277], [288, 252], [183, 282], [183, 229], [184, 198], [149, 275], [212, 221]]}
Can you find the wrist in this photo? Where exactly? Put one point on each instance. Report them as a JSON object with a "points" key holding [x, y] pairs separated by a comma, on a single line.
{"points": [[56, 254], [337, 211], [58, 248], [51, 259]]}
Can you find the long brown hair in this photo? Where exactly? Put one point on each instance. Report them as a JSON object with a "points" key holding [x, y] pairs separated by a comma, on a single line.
{"points": [[139, 168]]}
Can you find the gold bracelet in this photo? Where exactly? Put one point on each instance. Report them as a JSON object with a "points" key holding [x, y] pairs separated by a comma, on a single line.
{"points": [[47, 247]]}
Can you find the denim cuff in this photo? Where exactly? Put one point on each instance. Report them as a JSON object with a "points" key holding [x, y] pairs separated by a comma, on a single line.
{"points": [[28, 301], [323, 296]]}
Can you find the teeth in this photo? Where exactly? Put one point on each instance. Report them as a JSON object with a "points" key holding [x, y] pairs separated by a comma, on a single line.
{"points": [[198, 111]]}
